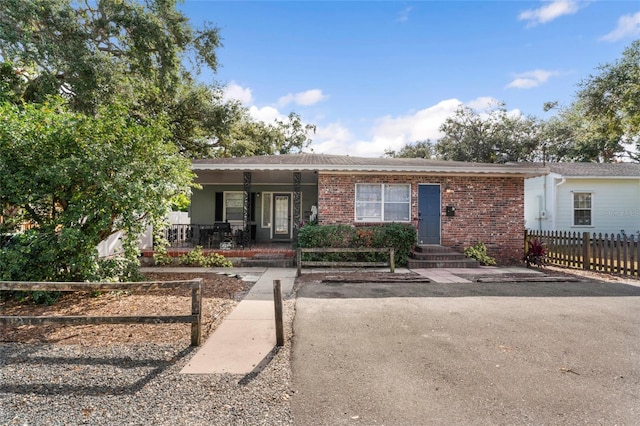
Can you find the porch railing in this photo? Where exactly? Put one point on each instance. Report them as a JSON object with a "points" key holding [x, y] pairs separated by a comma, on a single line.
{"points": [[611, 253], [217, 236]]}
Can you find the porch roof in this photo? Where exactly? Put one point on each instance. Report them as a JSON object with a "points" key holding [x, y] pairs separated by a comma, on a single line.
{"points": [[345, 163]]}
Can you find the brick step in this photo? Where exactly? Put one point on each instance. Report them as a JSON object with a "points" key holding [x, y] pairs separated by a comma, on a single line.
{"points": [[433, 248], [424, 264]]}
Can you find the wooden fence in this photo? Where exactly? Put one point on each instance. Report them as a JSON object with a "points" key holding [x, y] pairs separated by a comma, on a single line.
{"points": [[617, 254], [196, 304], [331, 264]]}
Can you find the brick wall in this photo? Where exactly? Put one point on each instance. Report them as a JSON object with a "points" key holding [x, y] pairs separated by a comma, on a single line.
{"points": [[488, 209]]}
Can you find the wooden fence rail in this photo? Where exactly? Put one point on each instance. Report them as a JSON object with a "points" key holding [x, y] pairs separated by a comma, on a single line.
{"points": [[301, 263], [196, 304], [617, 254]]}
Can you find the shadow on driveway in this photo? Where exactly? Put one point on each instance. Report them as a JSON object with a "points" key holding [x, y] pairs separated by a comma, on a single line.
{"points": [[473, 353]]}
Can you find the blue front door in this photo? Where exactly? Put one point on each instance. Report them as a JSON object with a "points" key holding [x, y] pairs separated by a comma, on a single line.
{"points": [[429, 214]]}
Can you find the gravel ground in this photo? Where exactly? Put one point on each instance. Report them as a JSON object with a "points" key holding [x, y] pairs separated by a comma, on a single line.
{"points": [[141, 384]]}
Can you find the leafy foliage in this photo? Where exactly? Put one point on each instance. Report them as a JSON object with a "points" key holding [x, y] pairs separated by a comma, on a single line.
{"points": [[401, 237], [197, 257], [479, 253], [611, 99], [78, 179], [132, 53], [536, 253], [494, 136], [418, 149]]}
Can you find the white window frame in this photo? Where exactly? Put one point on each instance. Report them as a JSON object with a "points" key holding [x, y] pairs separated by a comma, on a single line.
{"points": [[224, 207], [381, 218], [574, 208]]}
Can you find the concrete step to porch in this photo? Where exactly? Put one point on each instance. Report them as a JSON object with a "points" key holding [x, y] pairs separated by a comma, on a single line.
{"points": [[437, 256]]}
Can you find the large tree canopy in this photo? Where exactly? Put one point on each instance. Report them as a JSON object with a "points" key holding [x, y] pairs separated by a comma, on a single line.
{"points": [[133, 53], [78, 179], [494, 136], [611, 101]]}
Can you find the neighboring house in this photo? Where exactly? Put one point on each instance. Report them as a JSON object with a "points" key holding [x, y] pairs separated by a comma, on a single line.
{"points": [[455, 204], [578, 197]]}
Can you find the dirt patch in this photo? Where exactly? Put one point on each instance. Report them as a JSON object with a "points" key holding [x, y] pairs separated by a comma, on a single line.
{"points": [[221, 293]]}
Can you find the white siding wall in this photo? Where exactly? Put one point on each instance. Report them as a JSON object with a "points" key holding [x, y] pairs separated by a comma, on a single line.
{"points": [[615, 205], [539, 202]]}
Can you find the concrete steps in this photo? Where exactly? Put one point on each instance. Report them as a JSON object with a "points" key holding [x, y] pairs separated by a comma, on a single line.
{"points": [[436, 256]]}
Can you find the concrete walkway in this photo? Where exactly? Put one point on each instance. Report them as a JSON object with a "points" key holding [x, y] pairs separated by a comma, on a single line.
{"points": [[247, 335]]}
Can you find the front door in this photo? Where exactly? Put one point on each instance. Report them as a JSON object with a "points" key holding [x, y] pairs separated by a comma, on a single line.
{"points": [[429, 214], [282, 216]]}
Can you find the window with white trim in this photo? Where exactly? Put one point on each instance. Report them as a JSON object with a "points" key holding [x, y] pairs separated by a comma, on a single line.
{"points": [[233, 206], [582, 209], [377, 202]]}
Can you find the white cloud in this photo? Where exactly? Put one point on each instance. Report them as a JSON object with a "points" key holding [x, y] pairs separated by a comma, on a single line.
{"points": [[333, 138], [266, 114], [394, 132], [234, 91], [530, 79], [387, 133], [628, 26], [403, 15], [550, 11], [309, 97]]}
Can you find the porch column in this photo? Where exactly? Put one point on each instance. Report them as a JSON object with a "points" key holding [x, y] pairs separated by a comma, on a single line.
{"points": [[297, 216], [246, 210]]}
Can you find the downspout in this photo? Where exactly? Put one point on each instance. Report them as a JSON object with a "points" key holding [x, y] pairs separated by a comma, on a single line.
{"points": [[555, 203]]}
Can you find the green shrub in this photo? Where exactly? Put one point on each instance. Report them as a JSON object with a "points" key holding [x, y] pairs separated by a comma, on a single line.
{"points": [[197, 257], [479, 253], [402, 237]]}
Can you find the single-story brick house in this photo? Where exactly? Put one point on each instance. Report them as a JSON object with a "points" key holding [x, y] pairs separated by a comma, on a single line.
{"points": [[455, 204]]}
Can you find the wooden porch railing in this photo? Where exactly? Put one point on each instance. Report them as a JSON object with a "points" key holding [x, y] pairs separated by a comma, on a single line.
{"points": [[196, 304], [617, 254]]}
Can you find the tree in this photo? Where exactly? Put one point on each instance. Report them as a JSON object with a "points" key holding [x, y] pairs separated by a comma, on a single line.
{"points": [[611, 100], [77, 179], [132, 53], [492, 137], [418, 149], [248, 137], [108, 51]]}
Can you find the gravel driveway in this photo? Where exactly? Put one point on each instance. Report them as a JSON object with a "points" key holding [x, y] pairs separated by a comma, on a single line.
{"points": [[411, 354]]}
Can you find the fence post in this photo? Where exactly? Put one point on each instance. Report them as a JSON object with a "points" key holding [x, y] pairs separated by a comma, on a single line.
{"points": [[392, 259], [196, 309], [586, 251], [299, 261], [526, 238], [277, 303]]}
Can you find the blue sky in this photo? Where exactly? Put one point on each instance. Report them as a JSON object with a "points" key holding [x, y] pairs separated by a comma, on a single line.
{"points": [[375, 75]]}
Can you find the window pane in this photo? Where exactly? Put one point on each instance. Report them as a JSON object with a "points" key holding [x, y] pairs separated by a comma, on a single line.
{"points": [[234, 208], [368, 211], [582, 217], [582, 201], [266, 209], [396, 212], [397, 193], [368, 192]]}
